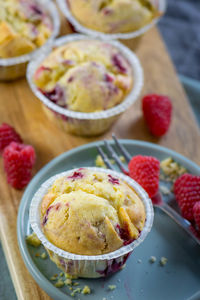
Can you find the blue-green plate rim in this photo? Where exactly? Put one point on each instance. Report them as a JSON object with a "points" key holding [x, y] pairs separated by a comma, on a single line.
{"points": [[37, 275]]}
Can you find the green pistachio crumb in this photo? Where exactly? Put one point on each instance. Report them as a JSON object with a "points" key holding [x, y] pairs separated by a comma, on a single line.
{"points": [[68, 281], [112, 287], [122, 158], [163, 261], [70, 276], [33, 240], [86, 290], [59, 283], [152, 259], [78, 290], [43, 255]]}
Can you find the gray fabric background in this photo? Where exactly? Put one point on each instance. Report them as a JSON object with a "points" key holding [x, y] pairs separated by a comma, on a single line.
{"points": [[180, 28]]}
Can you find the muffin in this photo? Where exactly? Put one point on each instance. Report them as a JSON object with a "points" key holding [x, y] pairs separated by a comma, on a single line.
{"points": [[85, 76], [24, 26], [116, 16], [91, 213]]}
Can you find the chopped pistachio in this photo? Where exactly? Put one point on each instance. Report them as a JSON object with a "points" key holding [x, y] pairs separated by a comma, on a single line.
{"points": [[59, 283], [33, 240], [122, 158], [171, 169], [152, 259], [99, 162], [164, 190], [70, 276], [43, 255], [163, 261], [112, 287], [68, 281], [76, 283], [86, 290], [54, 277], [78, 290]]}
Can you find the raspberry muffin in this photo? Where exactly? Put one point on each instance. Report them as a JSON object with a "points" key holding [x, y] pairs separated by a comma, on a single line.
{"points": [[116, 16], [85, 76], [24, 26], [91, 213]]}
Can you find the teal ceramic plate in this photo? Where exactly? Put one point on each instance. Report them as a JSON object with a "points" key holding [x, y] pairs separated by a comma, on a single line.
{"points": [[179, 279]]}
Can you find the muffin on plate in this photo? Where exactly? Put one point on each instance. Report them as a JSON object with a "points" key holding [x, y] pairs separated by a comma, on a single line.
{"points": [[116, 16], [24, 26], [90, 220], [91, 213], [85, 76]]}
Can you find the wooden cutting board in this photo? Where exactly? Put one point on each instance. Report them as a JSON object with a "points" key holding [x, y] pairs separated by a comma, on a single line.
{"points": [[20, 108]]}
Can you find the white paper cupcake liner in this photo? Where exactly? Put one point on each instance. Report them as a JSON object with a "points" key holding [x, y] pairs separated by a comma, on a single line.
{"points": [[87, 123], [64, 7], [83, 265], [15, 67]]}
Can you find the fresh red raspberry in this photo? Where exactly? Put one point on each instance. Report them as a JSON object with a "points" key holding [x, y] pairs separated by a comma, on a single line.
{"points": [[187, 193], [18, 162], [157, 110], [196, 214], [8, 135], [145, 170]]}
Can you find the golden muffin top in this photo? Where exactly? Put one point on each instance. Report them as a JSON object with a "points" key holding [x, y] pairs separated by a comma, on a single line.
{"points": [[113, 16], [85, 76], [24, 26], [91, 213]]}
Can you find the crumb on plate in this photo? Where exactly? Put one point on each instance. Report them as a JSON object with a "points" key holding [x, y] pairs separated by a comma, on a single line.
{"points": [[68, 281], [78, 290], [54, 277], [152, 259], [163, 261], [86, 290], [112, 287], [164, 190], [100, 163], [70, 276], [43, 255], [33, 240], [59, 283], [171, 169]]}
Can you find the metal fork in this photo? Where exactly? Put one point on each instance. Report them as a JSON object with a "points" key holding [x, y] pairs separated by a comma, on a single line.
{"points": [[158, 199]]}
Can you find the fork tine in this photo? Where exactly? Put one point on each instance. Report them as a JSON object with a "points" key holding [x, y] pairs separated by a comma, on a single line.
{"points": [[115, 157], [122, 149], [105, 158]]}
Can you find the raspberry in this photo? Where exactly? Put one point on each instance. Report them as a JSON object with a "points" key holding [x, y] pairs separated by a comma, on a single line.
{"points": [[8, 135], [18, 162], [187, 193], [196, 214], [157, 110], [145, 170]]}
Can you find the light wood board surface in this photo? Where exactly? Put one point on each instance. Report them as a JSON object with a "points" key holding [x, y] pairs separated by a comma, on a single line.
{"points": [[20, 108]]}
